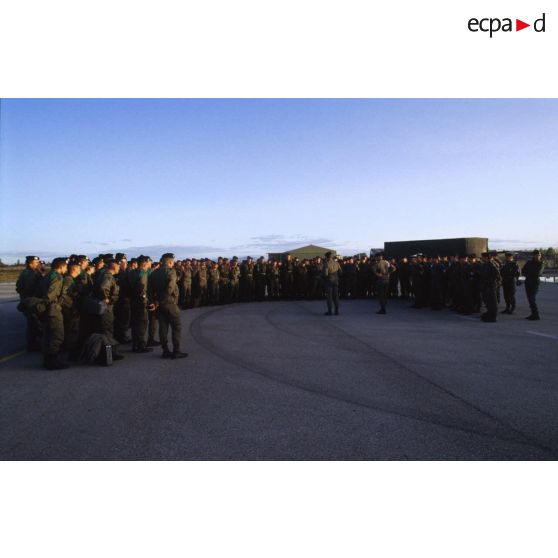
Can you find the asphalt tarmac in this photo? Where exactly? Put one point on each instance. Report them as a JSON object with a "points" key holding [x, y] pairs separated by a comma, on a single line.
{"points": [[279, 380]]}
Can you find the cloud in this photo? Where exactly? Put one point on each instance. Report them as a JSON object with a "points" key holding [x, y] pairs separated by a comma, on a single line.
{"points": [[180, 250], [12, 256], [280, 243], [515, 242]]}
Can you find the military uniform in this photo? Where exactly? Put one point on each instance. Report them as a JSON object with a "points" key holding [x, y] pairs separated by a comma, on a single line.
{"points": [[489, 277], [202, 284], [138, 279], [247, 281], [393, 289], [381, 268], [122, 307], [185, 286], [163, 291], [106, 289], [152, 321], [214, 278], [404, 272], [260, 278], [350, 272], [69, 301], [417, 282], [331, 271], [532, 272], [28, 287], [52, 288], [287, 279], [437, 280], [510, 274], [224, 283], [273, 281], [234, 275]]}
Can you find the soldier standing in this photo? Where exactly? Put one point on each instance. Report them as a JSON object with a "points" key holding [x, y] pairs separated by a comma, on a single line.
{"points": [[214, 277], [152, 321], [202, 283], [54, 322], [437, 280], [234, 275], [476, 290], [247, 280], [510, 274], [417, 279], [273, 280], [106, 290], [350, 272], [331, 272], [138, 280], [187, 284], [381, 269], [287, 281], [532, 272], [163, 293], [69, 301], [224, 281], [28, 287], [260, 272], [405, 278], [489, 278], [122, 306]]}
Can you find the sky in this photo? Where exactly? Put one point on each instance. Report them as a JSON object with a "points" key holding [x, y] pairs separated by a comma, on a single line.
{"points": [[245, 177]]}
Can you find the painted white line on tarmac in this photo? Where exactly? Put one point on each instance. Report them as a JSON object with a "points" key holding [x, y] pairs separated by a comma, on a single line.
{"points": [[543, 334]]}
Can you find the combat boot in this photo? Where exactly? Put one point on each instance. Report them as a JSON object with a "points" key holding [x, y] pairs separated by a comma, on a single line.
{"points": [[533, 317], [178, 354], [152, 343], [166, 353]]}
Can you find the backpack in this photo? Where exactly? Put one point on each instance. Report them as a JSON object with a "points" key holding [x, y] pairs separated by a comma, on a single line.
{"points": [[97, 349]]}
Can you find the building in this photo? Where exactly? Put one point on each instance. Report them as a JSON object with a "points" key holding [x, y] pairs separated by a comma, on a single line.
{"points": [[436, 247], [303, 253]]}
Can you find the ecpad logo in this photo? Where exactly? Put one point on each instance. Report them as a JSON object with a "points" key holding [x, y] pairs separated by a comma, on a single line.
{"points": [[493, 25]]}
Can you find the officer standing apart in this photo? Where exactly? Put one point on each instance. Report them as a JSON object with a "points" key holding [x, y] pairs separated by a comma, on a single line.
{"points": [[532, 272], [331, 271], [381, 269], [510, 274], [164, 294]]}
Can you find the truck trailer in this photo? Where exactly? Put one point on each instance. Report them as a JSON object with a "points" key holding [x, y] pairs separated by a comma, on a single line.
{"points": [[436, 247]]}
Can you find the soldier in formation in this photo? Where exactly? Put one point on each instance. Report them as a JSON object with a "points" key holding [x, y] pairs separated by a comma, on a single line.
{"points": [[112, 296]]}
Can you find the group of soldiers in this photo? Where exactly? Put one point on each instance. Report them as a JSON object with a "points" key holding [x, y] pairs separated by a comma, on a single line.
{"points": [[464, 283], [77, 298], [112, 296]]}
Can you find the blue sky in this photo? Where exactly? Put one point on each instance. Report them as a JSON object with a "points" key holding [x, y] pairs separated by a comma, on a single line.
{"points": [[244, 177]]}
